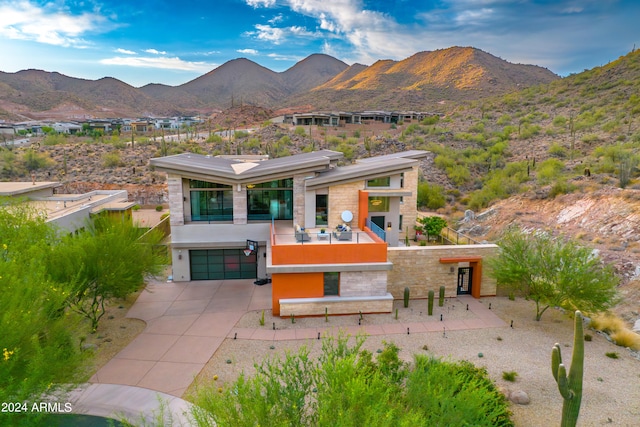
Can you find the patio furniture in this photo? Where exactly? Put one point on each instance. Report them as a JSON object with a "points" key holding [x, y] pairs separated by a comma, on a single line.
{"points": [[301, 234]]}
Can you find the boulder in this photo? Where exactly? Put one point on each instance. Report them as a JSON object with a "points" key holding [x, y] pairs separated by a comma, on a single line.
{"points": [[519, 397], [636, 326]]}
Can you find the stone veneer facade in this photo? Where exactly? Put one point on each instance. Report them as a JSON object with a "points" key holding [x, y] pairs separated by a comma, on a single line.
{"points": [[419, 268], [363, 283], [408, 206], [341, 198], [176, 199]]}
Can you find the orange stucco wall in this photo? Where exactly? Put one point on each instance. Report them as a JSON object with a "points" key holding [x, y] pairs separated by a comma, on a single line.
{"points": [[295, 285], [328, 254], [363, 208]]}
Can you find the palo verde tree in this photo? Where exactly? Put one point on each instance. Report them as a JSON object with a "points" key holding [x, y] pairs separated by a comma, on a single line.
{"points": [[553, 272], [110, 259], [38, 345]]}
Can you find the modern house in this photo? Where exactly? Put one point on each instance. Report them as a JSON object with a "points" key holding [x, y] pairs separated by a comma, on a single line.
{"points": [[69, 212], [321, 231]]}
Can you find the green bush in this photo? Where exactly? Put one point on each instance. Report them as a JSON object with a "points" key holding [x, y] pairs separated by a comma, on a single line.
{"points": [[430, 196], [111, 160], [346, 386], [557, 150], [549, 170]]}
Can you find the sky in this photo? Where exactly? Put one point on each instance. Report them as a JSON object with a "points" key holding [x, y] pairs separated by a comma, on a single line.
{"points": [[173, 42]]}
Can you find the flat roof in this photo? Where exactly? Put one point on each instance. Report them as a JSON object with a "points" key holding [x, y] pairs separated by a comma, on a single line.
{"points": [[236, 170], [18, 188], [361, 171], [409, 154]]}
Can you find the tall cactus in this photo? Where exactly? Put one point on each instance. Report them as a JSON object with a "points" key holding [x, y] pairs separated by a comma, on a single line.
{"points": [[570, 386], [430, 303], [441, 297], [406, 297]]}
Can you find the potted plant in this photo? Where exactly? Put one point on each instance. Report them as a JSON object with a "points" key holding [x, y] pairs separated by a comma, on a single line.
{"points": [[322, 231]]}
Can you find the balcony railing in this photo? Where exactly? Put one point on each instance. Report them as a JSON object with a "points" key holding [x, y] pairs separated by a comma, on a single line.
{"points": [[376, 230]]}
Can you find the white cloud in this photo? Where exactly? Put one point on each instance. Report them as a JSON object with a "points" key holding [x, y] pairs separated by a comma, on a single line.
{"points": [[248, 51], [280, 57], [162, 62], [276, 19], [156, 52], [47, 24], [125, 51], [269, 33], [261, 3]]}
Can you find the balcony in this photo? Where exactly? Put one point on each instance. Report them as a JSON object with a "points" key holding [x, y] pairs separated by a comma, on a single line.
{"points": [[332, 247]]}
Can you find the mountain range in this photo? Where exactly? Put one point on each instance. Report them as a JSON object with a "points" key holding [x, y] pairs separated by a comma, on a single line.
{"points": [[420, 82]]}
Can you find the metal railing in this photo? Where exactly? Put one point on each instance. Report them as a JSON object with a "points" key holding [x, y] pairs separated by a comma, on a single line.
{"points": [[376, 229], [457, 238]]}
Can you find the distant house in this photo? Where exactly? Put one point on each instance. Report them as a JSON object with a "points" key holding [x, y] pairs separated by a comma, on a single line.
{"points": [[70, 212], [67, 128], [330, 237]]}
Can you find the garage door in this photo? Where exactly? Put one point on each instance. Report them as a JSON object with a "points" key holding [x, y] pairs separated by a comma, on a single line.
{"points": [[214, 264]]}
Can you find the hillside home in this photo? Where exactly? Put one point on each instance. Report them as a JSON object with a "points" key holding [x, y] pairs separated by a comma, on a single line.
{"points": [[321, 231], [69, 212]]}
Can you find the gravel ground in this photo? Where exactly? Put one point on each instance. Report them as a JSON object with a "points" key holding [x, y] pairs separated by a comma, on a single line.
{"points": [[611, 388]]}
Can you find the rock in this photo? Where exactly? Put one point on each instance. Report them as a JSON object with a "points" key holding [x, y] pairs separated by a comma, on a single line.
{"points": [[91, 347], [469, 215], [636, 326], [519, 397]]}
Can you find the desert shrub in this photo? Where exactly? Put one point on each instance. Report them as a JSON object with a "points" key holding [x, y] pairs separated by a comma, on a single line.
{"points": [[32, 160], [607, 323], [557, 150], [505, 119], [588, 337], [159, 208], [111, 160], [431, 120], [346, 386], [529, 131], [54, 139], [549, 170], [561, 186], [509, 376], [559, 121], [430, 195], [458, 174], [300, 131], [214, 138], [612, 355], [626, 338]]}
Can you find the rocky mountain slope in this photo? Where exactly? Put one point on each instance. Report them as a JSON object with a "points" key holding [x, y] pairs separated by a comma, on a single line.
{"points": [[421, 82]]}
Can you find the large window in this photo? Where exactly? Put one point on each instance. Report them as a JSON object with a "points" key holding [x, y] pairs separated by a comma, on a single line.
{"points": [[331, 284], [273, 199], [213, 204], [322, 209], [378, 204], [384, 181]]}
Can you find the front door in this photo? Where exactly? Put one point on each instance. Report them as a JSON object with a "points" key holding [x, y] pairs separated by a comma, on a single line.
{"points": [[464, 280], [378, 220]]}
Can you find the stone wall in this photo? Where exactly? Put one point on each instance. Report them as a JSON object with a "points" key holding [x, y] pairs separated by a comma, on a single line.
{"points": [[335, 305], [298, 201], [176, 201], [239, 205], [341, 198], [409, 204], [419, 268], [363, 283]]}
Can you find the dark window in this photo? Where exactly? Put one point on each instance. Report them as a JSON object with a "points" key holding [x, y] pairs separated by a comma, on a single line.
{"points": [[384, 181], [331, 284], [400, 223], [273, 199], [322, 209], [212, 205]]}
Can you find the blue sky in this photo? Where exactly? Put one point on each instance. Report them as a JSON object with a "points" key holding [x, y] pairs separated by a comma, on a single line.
{"points": [[172, 42]]}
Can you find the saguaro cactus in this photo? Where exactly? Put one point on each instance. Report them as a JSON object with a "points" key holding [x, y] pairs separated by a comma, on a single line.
{"points": [[570, 386], [430, 302], [406, 297]]}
